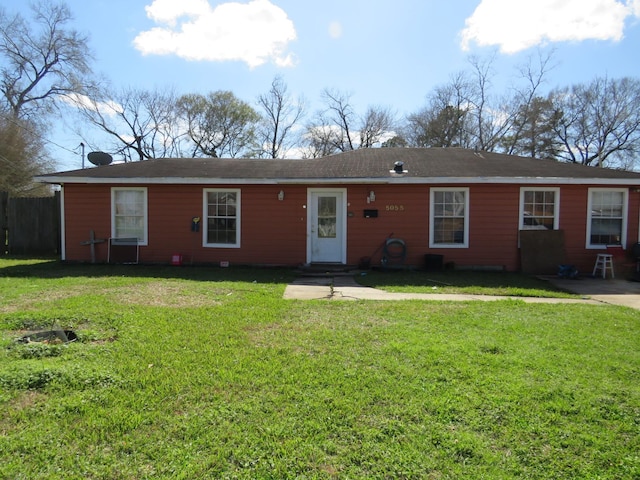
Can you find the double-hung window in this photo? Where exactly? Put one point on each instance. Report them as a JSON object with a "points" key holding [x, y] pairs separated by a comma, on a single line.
{"points": [[129, 213], [449, 218], [539, 208], [607, 217], [222, 217]]}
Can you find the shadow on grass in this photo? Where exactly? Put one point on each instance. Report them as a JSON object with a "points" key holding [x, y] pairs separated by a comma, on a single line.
{"points": [[23, 267], [416, 281], [456, 280]]}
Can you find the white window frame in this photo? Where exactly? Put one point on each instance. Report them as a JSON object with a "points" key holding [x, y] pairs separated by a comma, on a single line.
{"points": [[465, 242], [625, 215], [114, 234], [556, 206], [205, 217]]}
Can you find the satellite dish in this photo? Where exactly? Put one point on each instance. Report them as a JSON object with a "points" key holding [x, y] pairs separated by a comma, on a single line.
{"points": [[100, 158]]}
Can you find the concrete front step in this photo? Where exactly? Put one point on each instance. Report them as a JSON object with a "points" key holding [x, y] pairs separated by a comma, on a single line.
{"points": [[315, 269]]}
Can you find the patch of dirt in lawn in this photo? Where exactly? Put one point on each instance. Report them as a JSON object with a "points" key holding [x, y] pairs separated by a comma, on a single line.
{"points": [[157, 294], [166, 294], [31, 301], [27, 400]]}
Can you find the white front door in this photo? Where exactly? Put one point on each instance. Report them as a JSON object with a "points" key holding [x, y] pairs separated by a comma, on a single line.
{"points": [[327, 226]]}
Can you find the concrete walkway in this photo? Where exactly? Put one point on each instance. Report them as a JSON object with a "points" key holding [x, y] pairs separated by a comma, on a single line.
{"points": [[617, 291], [344, 287]]}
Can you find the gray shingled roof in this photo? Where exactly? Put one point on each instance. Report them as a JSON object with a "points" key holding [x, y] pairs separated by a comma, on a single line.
{"points": [[422, 165]]}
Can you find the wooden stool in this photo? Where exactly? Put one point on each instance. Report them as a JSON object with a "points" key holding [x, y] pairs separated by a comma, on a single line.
{"points": [[604, 261]]}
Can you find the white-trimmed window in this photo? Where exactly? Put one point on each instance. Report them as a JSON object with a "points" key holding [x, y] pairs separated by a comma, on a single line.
{"points": [[222, 218], [539, 208], [449, 218], [607, 217], [129, 213]]}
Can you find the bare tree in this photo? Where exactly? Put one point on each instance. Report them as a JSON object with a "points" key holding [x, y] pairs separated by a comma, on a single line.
{"points": [[320, 138], [396, 141], [466, 113], [341, 116], [338, 128], [42, 60], [491, 117], [534, 131], [599, 123], [377, 123], [142, 124], [219, 124], [530, 116], [463, 113], [280, 116], [444, 122]]}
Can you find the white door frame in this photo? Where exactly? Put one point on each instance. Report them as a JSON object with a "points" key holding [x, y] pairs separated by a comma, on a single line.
{"points": [[341, 221]]}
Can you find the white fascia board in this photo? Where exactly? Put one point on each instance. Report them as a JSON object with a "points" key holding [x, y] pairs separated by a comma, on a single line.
{"points": [[494, 180], [364, 180], [529, 180]]}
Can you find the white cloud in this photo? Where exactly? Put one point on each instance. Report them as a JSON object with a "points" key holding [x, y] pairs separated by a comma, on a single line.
{"points": [[77, 100], [169, 11], [254, 32], [335, 29], [518, 25]]}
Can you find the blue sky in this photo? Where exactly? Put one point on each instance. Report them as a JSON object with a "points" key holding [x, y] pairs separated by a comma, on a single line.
{"points": [[382, 52]]}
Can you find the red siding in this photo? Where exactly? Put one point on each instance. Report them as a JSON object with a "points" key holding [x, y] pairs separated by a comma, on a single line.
{"points": [[573, 220], [274, 232], [86, 207], [404, 211]]}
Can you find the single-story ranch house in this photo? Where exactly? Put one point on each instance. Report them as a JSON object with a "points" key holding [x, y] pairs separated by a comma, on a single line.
{"points": [[467, 208]]}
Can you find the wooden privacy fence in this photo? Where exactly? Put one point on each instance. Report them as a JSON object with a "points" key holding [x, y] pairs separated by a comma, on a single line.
{"points": [[30, 226]]}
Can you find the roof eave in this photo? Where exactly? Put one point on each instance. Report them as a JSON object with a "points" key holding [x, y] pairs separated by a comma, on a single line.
{"points": [[60, 180]]}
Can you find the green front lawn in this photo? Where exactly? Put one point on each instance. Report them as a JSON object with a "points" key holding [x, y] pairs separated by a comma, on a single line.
{"points": [[209, 373], [460, 281]]}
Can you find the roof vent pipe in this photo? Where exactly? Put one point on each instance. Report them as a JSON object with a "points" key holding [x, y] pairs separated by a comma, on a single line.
{"points": [[398, 167]]}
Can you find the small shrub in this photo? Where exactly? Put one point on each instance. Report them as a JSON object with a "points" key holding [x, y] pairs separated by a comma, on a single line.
{"points": [[37, 350], [27, 379], [30, 378]]}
